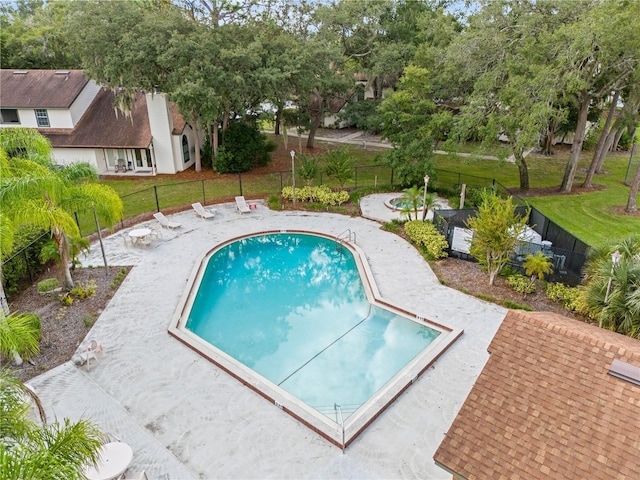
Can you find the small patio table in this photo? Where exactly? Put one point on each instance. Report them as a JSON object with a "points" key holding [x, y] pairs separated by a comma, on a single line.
{"points": [[138, 235], [114, 459]]}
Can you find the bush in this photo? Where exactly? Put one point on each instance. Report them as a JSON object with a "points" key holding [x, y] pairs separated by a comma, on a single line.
{"points": [[245, 147], [85, 290], [321, 194], [48, 285], [15, 272], [66, 299], [521, 284], [570, 297], [427, 237], [274, 202]]}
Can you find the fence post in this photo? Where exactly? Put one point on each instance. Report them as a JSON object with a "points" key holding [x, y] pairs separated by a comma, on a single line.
{"points": [[356, 179], [75, 215], [240, 181], [155, 192], [281, 182], [204, 200]]}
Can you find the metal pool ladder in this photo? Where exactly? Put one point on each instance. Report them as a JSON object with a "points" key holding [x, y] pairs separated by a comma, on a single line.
{"points": [[347, 236]]}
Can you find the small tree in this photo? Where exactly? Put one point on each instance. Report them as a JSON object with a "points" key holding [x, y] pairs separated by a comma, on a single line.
{"points": [[537, 265], [309, 168], [339, 166], [496, 228], [411, 199]]}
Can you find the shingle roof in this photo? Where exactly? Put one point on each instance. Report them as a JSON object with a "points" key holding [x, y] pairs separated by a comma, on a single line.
{"points": [[545, 406], [40, 88], [100, 127]]}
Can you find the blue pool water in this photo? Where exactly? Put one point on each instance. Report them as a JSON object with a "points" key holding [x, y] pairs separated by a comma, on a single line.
{"points": [[292, 308]]}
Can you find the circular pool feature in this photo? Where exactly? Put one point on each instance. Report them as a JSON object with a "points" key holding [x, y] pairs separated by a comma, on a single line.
{"points": [[399, 204]]}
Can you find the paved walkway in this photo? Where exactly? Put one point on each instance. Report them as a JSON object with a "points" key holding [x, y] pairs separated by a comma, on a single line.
{"points": [[187, 419]]}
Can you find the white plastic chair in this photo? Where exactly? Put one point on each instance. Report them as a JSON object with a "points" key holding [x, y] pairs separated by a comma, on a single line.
{"points": [[201, 212], [93, 350], [241, 205], [164, 221]]}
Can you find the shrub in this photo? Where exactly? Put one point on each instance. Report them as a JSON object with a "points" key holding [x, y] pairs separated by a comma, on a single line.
{"points": [[521, 284], [85, 290], [427, 237], [274, 202], [245, 147], [25, 265], [117, 280], [321, 194], [66, 299], [570, 297], [48, 285]]}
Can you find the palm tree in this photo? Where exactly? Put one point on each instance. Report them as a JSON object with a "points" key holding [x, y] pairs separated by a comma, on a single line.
{"points": [[537, 265], [19, 336], [612, 291], [38, 450], [36, 194], [412, 198], [339, 166]]}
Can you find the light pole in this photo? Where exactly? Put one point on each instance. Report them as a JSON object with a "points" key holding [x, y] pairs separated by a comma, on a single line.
{"points": [[424, 201], [615, 259], [293, 175]]}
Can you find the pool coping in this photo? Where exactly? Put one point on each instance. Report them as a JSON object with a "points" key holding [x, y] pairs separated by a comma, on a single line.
{"points": [[358, 421]]}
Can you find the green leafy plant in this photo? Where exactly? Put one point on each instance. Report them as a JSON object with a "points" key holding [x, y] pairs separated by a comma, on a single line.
{"points": [[117, 280], [570, 297], [84, 290], [48, 285], [521, 284], [274, 202], [66, 299], [537, 265], [427, 237], [320, 194]]}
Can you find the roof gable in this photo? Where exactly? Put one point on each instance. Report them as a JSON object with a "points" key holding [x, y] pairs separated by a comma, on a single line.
{"points": [[545, 406], [40, 88]]}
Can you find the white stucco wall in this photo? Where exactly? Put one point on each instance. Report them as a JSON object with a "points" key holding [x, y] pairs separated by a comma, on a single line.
{"points": [[83, 100], [67, 156], [58, 118], [161, 126]]}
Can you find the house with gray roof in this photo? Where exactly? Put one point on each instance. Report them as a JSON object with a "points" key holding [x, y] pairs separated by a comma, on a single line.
{"points": [[80, 119], [558, 398]]}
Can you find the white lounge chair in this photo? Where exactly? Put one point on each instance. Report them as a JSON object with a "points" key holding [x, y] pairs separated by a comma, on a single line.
{"points": [[241, 205], [164, 221], [201, 212]]}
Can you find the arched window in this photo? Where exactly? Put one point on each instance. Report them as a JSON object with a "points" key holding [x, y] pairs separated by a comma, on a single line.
{"points": [[185, 149]]}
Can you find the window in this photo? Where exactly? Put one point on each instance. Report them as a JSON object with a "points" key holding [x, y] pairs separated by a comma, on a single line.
{"points": [[9, 115], [42, 117], [185, 149]]}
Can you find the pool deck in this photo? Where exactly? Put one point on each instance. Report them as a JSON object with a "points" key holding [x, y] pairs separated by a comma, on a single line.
{"points": [[187, 419]]}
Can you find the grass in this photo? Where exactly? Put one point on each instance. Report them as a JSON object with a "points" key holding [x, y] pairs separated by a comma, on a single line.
{"points": [[594, 217]]}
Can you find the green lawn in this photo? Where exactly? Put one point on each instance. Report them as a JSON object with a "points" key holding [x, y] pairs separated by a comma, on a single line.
{"points": [[593, 217]]}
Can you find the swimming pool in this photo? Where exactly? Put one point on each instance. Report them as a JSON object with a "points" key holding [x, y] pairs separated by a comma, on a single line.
{"points": [[295, 317]]}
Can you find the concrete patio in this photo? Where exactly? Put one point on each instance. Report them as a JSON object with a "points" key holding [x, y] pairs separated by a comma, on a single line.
{"points": [[185, 418]]}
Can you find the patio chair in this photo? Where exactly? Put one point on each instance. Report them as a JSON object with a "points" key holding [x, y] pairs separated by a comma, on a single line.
{"points": [[164, 221], [241, 205], [93, 350], [201, 212]]}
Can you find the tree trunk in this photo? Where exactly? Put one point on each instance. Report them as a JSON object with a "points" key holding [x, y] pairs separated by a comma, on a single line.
{"points": [[63, 250], [4, 305], [607, 145], [601, 141], [547, 147], [619, 133], [523, 170], [276, 128], [633, 193], [315, 123], [215, 140], [196, 139], [576, 148]]}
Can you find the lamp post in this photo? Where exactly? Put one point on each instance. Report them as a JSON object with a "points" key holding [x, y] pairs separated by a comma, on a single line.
{"points": [[293, 175], [615, 259], [424, 200]]}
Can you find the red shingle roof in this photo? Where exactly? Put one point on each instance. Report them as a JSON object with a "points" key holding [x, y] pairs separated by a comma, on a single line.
{"points": [[40, 88], [545, 406]]}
